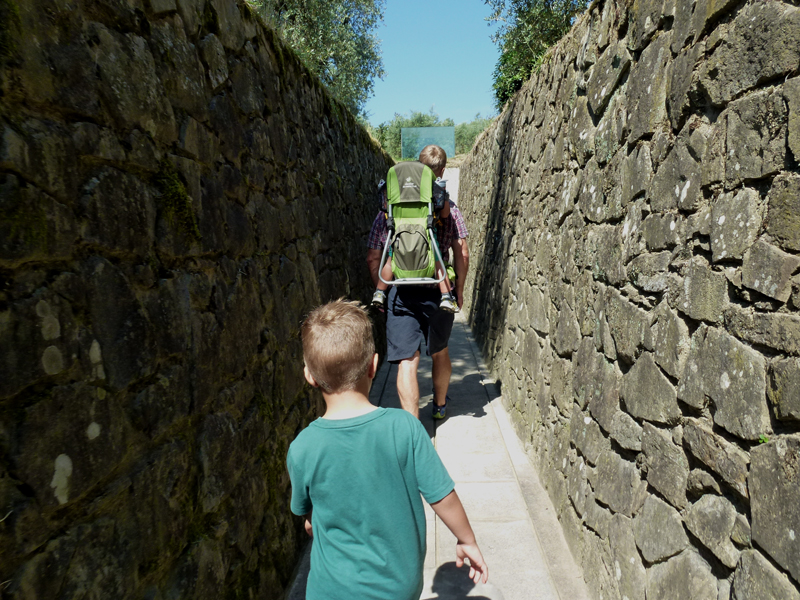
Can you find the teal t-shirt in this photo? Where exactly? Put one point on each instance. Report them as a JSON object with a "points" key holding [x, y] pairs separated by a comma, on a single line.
{"points": [[363, 477]]}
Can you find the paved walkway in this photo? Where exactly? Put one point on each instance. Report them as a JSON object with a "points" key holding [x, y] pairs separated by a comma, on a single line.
{"points": [[512, 516]]}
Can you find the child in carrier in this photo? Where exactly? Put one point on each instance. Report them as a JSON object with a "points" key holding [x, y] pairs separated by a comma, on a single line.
{"points": [[436, 158]]}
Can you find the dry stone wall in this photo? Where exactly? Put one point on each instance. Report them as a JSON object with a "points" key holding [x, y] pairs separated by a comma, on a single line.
{"points": [[176, 192], [635, 221]]}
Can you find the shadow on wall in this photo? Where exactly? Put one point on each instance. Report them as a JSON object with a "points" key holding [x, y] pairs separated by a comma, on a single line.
{"points": [[493, 269]]}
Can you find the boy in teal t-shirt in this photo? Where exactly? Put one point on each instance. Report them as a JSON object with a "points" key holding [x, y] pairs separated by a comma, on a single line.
{"points": [[357, 474]]}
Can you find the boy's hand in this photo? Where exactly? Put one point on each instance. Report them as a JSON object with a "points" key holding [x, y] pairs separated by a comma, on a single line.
{"points": [[307, 525], [478, 570]]}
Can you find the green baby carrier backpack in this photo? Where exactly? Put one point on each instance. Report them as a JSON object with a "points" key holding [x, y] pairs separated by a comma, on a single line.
{"points": [[411, 243]]}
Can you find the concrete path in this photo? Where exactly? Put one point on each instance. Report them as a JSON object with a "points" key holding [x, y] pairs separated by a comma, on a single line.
{"points": [[512, 516]]}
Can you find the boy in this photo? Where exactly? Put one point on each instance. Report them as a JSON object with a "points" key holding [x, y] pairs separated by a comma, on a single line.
{"points": [[361, 470], [436, 158]]}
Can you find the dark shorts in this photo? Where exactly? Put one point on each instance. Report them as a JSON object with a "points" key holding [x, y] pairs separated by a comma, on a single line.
{"points": [[413, 315]]}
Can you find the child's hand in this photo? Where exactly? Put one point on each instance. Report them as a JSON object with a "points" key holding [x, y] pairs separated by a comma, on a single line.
{"points": [[478, 570]]}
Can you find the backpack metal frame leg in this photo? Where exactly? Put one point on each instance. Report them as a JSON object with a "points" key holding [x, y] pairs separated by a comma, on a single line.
{"points": [[436, 252]]}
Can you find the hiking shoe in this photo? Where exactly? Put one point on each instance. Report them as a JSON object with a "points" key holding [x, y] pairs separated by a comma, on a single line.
{"points": [[448, 304], [439, 411], [379, 299]]}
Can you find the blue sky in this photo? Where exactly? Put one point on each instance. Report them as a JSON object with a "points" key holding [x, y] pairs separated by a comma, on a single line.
{"points": [[436, 53]]}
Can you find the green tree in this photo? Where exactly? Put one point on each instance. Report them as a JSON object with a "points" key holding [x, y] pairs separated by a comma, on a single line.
{"points": [[335, 39], [467, 133], [528, 29]]}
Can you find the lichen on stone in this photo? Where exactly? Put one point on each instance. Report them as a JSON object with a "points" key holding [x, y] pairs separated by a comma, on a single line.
{"points": [[10, 23]]}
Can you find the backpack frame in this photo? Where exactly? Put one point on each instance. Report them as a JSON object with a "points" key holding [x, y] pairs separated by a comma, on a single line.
{"points": [[410, 217]]}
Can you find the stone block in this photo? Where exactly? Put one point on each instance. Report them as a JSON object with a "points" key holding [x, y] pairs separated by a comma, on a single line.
{"points": [[581, 131], [604, 403], [736, 219], [629, 326], [617, 484], [246, 87], [756, 136], [735, 65], [626, 432], [658, 530], [649, 271], [756, 579], [604, 245], [783, 217], [711, 519], [775, 500], [769, 270], [122, 59], [179, 67], [686, 576], [783, 388], [791, 91], [611, 130], [230, 25], [561, 385], [741, 531], [647, 88], [636, 172], [705, 292], [667, 466], [69, 441], [661, 231], [722, 457], [591, 198], [118, 323], [713, 158], [677, 182], [648, 394], [777, 330], [605, 76], [671, 340], [129, 226], [701, 482], [597, 518], [645, 19], [34, 226], [734, 376], [586, 436], [578, 485], [628, 568]]}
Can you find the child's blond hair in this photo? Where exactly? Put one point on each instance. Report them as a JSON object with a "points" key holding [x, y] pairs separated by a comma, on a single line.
{"points": [[338, 345], [433, 156]]}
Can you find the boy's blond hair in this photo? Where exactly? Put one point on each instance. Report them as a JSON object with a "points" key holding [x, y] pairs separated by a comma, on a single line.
{"points": [[433, 156], [338, 345]]}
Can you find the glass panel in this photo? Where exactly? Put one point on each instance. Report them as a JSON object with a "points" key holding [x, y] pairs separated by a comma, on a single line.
{"points": [[414, 139]]}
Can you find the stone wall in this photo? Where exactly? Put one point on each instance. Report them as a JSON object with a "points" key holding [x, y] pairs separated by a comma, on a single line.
{"points": [[176, 192], [635, 222]]}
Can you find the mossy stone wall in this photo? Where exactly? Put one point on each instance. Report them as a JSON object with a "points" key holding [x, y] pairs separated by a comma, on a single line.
{"points": [[176, 192]]}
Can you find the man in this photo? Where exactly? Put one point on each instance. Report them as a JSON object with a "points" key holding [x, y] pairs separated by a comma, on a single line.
{"points": [[413, 312]]}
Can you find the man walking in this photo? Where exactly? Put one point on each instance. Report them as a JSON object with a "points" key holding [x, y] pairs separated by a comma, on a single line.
{"points": [[413, 312]]}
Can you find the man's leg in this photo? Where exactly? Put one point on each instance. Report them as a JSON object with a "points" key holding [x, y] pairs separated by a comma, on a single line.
{"points": [[442, 369], [407, 385]]}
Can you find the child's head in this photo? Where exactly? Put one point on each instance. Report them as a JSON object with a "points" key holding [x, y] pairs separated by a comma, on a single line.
{"points": [[337, 345], [435, 157]]}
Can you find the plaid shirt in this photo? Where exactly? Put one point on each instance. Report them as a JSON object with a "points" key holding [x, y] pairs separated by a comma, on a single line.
{"points": [[447, 231]]}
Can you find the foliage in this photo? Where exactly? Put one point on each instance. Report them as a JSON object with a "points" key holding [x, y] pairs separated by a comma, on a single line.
{"points": [[388, 133], [467, 133], [335, 39], [528, 29]]}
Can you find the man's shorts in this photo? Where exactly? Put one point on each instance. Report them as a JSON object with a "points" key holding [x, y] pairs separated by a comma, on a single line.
{"points": [[413, 315]]}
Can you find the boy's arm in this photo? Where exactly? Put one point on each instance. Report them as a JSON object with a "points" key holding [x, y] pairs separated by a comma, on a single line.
{"points": [[307, 523], [451, 512]]}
